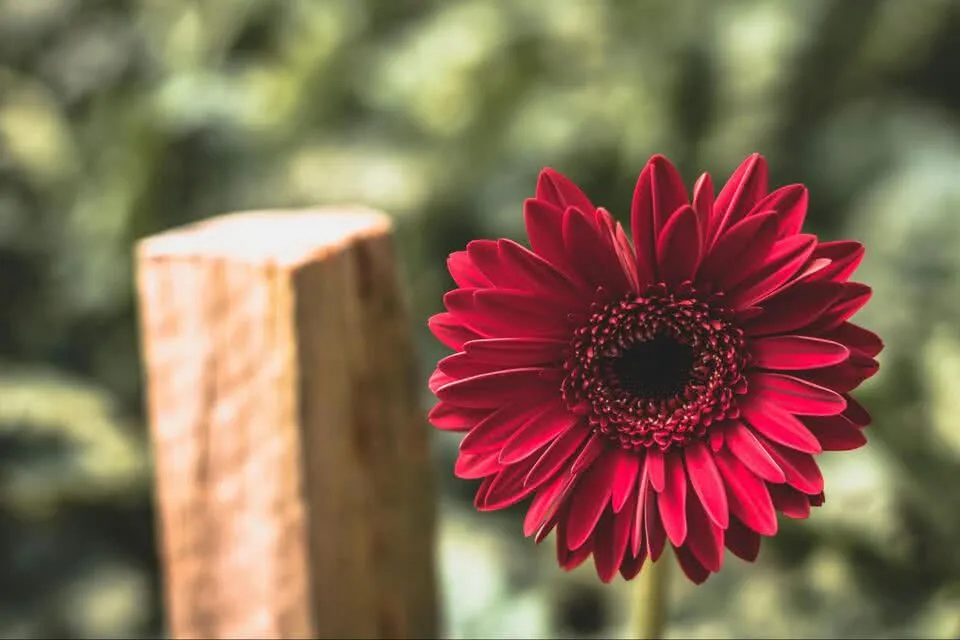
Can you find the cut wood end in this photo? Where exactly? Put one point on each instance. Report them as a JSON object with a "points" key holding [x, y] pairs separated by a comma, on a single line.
{"points": [[285, 237]]}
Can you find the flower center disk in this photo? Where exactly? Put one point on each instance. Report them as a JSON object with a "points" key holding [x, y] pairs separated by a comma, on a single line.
{"points": [[656, 370]]}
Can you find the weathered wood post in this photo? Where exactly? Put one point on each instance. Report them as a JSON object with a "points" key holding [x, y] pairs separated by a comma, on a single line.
{"points": [[293, 480]]}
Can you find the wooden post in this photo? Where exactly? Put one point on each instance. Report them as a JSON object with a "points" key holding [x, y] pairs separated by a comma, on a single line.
{"points": [[293, 478]]}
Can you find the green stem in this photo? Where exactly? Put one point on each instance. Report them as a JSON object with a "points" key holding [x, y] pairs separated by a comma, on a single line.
{"points": [[652, 605]]}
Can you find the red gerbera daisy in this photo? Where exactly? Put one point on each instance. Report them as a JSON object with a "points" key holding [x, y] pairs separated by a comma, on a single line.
{"points": [[673, 390]]}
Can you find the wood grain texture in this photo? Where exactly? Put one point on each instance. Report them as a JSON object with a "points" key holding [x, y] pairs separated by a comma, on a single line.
{"points": [[293, 479]]}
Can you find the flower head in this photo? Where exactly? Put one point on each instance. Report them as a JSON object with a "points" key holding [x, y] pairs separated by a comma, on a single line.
{"points": [[673, 389]]}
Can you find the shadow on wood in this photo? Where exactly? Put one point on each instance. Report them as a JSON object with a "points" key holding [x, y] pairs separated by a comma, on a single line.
{"points": [[293, 477]]}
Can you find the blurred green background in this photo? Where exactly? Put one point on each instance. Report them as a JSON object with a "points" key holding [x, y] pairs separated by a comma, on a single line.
{"points": [[121, 118]]}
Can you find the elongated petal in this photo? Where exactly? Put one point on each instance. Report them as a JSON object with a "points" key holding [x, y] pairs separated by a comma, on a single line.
{"points": [[516, 352], [494, 430], [450, 331], [836, 433], [779, 425], [537, 433], [749, 498], [557, 189], [464, 272], [800, 468], [557, 456], [704, 537], [679, 246], [740, 194], [790, 352], [795, 395], [590, 497], [591, 254], [856, 338], [790, 203], [747, 448], [474, 466], [495, 389], [794, 307], [703, 204], [627, 467], [658, 194], [544, 224], [673, 499], [742, 541], [707, 483], [734, 256], [448, 417], [785, 259]]}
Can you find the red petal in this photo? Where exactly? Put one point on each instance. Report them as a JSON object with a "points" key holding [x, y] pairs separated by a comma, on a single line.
{"points": [[531, 272], [493, 390], [707, 482], [494, 430], [797, 306], [438, 379], [737, 252], [450, 331], [855, 412], [510, 313], [679, 247], [786, 258], [464, 272], [624, 249], [627, 467], [485, 254], [638, 534], [590, 497], [448, 417], [592, 256], [461, 365], [609, 545], [544, 224], [779, 425], [655, 469], [743, 444], [749, 498], [844, 256], [790, 202], [740, 194], [537, 433], [596, 445], [558, 190], [632, 564], [504, 489], [795, 395], [789, 501], [659, 192], [704, 537], [845, 376], [653, 527], [836, 433], [556, 456], [857, 338], [472, 467], [673, 499], [855, 295], [692, 568], [543, 505], [742, 542], [703, 203], [800, 469], [570, 560], [796, 352], [513, 352]]}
